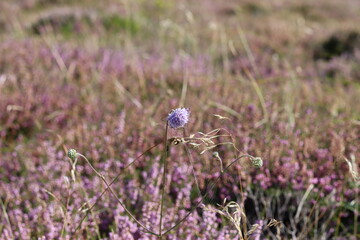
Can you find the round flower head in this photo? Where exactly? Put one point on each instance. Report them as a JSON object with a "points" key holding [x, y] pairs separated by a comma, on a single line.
{"points": [[72, 154], [257, 162], [178, 118]]}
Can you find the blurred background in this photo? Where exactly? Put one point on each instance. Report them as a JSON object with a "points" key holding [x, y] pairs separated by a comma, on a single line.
{"points": [[102, 76]]}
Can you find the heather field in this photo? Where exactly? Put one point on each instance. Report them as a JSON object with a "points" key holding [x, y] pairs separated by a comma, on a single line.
{"points": [[189, 119]]}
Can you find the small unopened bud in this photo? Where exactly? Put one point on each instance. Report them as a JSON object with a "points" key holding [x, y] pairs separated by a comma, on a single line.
{"points": [[72, 154], [216, 155], [257, 162]]}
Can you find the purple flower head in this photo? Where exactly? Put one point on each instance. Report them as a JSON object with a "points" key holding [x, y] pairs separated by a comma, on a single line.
{"points": [[179, 117]]}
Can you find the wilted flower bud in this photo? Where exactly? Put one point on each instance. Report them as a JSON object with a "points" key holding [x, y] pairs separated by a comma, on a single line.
{"points": [[72, 154], [178, 118], [257, 162]]}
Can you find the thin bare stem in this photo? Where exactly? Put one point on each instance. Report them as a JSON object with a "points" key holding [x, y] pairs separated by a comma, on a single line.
{"points": [[114, 194], [108, 186], [163, 179]]}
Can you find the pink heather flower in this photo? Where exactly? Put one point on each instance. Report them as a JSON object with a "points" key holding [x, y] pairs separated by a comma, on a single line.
{"points": [[179, 117]]}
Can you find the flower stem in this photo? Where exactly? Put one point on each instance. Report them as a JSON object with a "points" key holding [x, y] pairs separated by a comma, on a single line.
{"points": [[163, 179]]}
